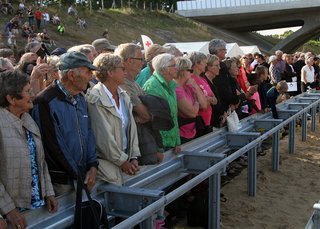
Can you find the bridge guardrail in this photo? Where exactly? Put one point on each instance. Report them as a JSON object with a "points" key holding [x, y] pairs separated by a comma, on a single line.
{"points": [[215, 4]]}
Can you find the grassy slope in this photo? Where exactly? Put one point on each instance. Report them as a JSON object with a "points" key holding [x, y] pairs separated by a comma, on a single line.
{"points": [[127, 25]]}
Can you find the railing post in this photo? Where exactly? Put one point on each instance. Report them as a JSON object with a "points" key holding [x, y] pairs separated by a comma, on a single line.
{"points": [[275, 151], [313, 118], [252, 171], [214, 201], [319, 111], [292, 138], [148, 223], [304, 127]]}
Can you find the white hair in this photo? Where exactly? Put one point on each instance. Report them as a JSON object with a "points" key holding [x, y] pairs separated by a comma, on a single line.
{"points": [[162, 61]]}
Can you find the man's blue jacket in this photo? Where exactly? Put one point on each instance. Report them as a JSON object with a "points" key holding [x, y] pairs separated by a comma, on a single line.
{"points": [[66, 133]]}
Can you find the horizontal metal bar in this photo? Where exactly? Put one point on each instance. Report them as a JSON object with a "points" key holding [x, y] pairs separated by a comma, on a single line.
{"points": [[297, 106], [155, 173]]}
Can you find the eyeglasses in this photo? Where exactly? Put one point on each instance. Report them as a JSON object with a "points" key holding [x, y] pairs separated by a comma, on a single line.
{"points": [[137, 58], [172, 66], [189, 70], [223, 49]]}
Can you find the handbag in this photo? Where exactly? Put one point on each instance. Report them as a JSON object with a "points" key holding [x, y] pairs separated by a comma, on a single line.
{"points": [[233, 122], [292, 86], [91, 213]]}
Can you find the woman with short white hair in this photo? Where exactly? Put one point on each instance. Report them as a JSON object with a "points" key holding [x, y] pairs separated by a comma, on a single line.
{"points": [[307, 74], [161, 84], [112, 121], [199, 63]]}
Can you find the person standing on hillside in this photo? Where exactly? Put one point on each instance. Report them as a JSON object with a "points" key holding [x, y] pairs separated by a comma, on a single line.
{"points": [[38, 16], [31, 17]]}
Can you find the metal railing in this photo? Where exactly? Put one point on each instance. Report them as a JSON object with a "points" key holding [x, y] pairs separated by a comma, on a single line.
{"points": [[141, 198], [214, 4]]}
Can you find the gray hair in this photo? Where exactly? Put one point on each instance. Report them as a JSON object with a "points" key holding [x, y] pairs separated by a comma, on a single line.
{"points": [[6, 52], [31, 46], [278, 52], [85, 49], [216, 44], [196, 57], [5, 64], [12, 83], [63, 73], [127, 50], [173, 50], [162, 61], [106, 62]]}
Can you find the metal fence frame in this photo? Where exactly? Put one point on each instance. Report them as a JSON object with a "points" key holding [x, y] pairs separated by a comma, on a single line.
{"points": [[205, 148]]}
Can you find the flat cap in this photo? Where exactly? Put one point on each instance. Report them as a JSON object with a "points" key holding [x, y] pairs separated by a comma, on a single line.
{"points": [[103, 44], [71, 60]]}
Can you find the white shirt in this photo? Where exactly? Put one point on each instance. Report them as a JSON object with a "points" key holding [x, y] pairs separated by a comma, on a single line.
{"points": [[123, 113], [309, 74], [46, 17]]}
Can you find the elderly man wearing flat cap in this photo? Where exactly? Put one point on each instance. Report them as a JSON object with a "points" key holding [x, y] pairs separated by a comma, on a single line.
{"points": [[61, 113], [102, 45]]}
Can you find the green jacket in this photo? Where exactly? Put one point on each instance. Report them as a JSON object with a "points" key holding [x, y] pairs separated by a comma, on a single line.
{"points": [[143, 76], [157, 85]]}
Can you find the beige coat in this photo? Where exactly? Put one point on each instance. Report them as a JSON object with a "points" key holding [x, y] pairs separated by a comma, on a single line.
{"points": [[15, 164], [107, 127]]}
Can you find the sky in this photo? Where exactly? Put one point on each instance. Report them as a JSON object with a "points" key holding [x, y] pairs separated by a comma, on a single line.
{"points": [[278, 31]]}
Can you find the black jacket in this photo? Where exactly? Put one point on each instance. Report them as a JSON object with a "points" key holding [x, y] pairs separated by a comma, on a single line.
{"points": [[150, 140]]}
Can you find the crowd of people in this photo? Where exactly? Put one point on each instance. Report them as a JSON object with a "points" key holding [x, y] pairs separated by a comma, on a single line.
{"points": [[103, 111]]}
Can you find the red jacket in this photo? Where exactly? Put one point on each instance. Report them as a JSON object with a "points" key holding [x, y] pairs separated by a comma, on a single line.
{"points": [[38, 15]]}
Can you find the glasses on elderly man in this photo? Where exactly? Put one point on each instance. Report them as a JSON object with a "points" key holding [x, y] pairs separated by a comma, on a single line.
{"points": [[189, 70]]}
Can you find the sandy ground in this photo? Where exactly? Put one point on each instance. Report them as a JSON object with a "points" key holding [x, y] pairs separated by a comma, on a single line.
{"points": [[284, 199]]}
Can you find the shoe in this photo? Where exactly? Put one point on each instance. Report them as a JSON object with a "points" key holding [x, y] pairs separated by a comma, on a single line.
{"points": [[243, 163], [261, 153]]}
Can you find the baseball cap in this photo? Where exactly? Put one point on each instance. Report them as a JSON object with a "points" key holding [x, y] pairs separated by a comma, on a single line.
{"points": [[71, 60], [103, 44], [58, 51]]}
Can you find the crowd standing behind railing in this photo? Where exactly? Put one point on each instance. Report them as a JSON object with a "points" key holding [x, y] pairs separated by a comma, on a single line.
{"points": [[90, 115]]}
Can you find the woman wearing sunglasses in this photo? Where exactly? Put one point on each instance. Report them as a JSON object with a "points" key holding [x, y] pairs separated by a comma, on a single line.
{"points": [[190, 99]]}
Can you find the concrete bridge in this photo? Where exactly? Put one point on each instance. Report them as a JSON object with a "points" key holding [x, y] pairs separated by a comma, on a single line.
{"points": [[242, 17]]}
